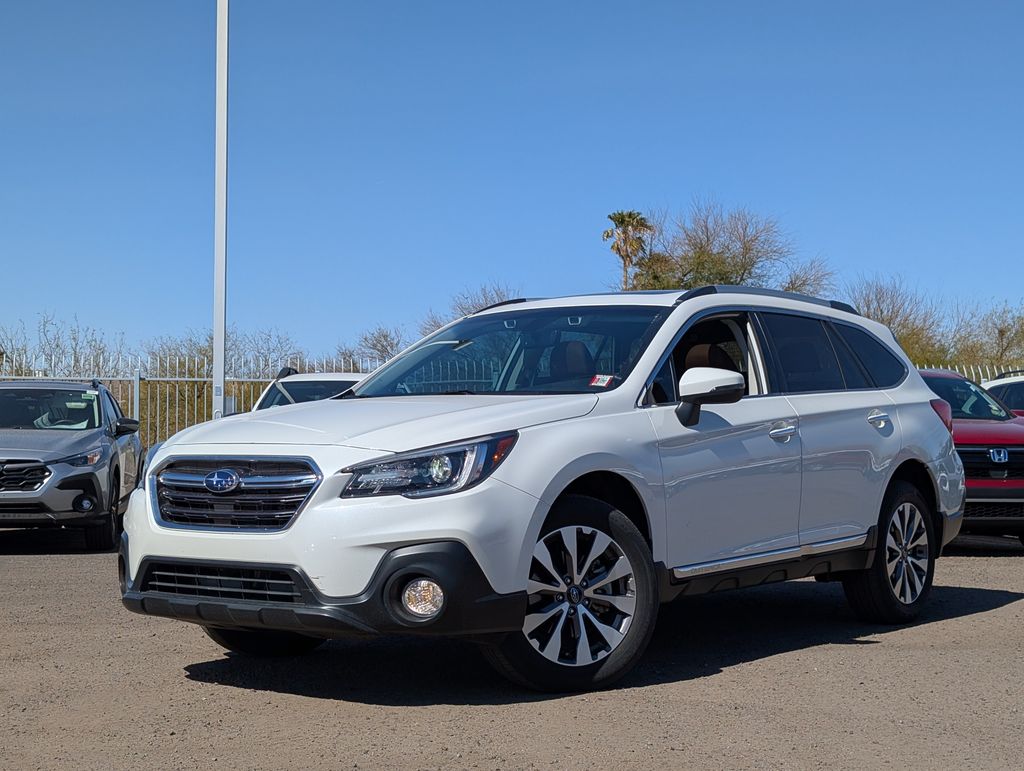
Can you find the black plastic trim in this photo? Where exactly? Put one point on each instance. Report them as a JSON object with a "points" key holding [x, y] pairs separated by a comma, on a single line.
{"points": [[829, 564], [763, 292], [471, 607]]}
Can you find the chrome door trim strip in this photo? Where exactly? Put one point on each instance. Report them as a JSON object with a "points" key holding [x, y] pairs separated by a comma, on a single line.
{"points": [[768, 557]]}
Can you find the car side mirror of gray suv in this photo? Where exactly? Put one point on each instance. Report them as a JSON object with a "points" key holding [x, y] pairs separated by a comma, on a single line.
{"points": [[707, 385], [125, 426]]}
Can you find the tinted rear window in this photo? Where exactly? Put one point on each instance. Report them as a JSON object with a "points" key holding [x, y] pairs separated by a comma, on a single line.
{"points": [[1012, 395], [805, 355], [881, 363], [853, 373]]}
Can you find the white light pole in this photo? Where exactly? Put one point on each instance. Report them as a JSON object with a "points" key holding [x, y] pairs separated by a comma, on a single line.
{"points": [[220, 211]]}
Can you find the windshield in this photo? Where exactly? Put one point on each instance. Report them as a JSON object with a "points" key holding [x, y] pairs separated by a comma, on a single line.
{"points": [[66, 409], [281, 393], [537, 351], [969, 401]]}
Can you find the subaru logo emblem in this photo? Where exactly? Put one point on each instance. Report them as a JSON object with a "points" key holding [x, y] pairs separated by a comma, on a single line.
{"points": [[999, 455], [222, 481]]}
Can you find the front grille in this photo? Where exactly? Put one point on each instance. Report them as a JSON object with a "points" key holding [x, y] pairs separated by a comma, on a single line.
{"points": [[22, 475], [994, 509], [269, 494], [27, 507], [225, 583], [978, 463]]}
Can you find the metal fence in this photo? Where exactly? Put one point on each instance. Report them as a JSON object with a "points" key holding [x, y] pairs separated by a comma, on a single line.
{"points": [[169, 393]]}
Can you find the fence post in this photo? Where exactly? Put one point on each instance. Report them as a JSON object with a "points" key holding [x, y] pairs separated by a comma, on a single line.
{"points": [[136, 395]]}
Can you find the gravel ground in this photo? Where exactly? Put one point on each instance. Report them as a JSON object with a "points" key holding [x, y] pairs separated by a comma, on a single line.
{"points": [[780, 676]]}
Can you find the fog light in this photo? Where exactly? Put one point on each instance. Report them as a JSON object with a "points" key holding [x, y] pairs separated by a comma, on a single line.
{"points": [[84, 504], [423, 598]]}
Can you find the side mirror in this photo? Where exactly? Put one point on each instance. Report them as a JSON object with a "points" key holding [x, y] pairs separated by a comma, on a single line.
{"points": [[707, 385], [125, 426]]}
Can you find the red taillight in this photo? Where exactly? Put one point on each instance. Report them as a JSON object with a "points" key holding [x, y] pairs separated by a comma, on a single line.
{"points": [[944, 411]]}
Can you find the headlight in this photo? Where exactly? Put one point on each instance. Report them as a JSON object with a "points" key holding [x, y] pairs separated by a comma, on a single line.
{"points": [[145, 464], [431, 471], [90, 458]]}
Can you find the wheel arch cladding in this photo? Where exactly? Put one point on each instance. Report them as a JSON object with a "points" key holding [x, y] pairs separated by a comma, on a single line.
{"points": [[916, 473], [617, 491]]}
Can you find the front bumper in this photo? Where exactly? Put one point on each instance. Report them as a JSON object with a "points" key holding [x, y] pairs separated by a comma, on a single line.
{"points": [[471, 606], [53, 503], [994, 508]]}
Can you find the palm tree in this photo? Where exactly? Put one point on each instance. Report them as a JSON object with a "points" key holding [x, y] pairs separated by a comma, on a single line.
{"points": [[627, 234]]}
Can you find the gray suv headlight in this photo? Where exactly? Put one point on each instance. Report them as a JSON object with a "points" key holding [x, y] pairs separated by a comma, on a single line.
{"points": [[90, 458], [430, 471]]}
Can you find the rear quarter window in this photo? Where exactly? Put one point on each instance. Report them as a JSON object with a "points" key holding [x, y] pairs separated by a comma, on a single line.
{"points": [[884, 367]]}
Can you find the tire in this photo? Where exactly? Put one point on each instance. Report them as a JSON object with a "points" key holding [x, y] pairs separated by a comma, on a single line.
{"points": [[263, 643], [896, 586], [550, 653], [103, 537], [1021, 537]]}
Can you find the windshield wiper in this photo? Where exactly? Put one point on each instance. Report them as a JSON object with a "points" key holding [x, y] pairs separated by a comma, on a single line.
{"points": [[457, 393]]}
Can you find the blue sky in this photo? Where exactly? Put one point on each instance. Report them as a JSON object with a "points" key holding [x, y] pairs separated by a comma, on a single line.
{"points": [[385, 155]]}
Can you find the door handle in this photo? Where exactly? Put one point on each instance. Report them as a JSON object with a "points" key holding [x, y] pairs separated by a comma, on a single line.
{"points": [[783, 433], [878, 419]]}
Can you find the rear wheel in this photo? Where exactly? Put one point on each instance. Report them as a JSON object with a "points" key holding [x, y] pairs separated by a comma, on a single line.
{"points": [[103, 537], [896, 586], [265, 643], [592, 601]]}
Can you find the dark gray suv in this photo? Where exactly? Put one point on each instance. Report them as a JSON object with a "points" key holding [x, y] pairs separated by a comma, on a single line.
{"points": [[68, 457]]}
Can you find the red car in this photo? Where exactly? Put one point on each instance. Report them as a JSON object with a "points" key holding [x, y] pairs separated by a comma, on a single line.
{"points": [[989, 438]]}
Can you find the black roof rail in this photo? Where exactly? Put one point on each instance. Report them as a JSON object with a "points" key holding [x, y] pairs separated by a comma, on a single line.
{"points": [[502, 302], [1009, 373], [762, 292], [286, 372], [96, 383]]}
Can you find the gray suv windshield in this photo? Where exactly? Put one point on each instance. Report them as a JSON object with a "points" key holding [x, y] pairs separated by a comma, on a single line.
{"points": [[64, 409]]}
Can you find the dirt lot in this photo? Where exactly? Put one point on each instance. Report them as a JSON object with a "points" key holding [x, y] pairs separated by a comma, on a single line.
{"points": [[781, 676]]}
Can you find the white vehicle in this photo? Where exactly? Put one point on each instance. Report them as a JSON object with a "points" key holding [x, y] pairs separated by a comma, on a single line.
{"points": [[540, 475], [292, 387], [1008, 387]]}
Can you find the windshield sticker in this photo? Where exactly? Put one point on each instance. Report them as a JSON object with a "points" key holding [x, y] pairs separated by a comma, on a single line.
{"points": [[90, 394], [601, 381]]}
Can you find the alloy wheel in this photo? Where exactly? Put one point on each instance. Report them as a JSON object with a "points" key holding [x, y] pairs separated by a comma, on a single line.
{"points": [[581, 596], [906, 553]]}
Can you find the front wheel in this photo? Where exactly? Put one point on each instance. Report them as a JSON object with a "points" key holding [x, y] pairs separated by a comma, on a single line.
{"points": [[592, 600], [895, 587], [103, 537], [265, 643]]}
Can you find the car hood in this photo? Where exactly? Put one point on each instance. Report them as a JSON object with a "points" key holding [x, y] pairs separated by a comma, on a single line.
{"points": [[391, 424], [987, 432], [46, 444]]}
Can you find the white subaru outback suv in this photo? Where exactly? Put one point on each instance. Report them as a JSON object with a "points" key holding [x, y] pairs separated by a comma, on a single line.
{"points": [[540, 475]]}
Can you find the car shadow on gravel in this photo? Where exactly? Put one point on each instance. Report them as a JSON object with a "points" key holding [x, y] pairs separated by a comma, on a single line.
{"points": [[985, 546], [43, 540], [696, 637]]}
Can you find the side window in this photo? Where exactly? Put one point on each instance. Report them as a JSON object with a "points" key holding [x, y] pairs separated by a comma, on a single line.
{"points": [[853, 372], [881, 363], [805, 356], [721, 342], [1013, 396]]}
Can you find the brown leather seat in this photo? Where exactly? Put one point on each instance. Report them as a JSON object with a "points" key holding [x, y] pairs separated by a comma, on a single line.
{"points": [[709, 355], [571, 359]]}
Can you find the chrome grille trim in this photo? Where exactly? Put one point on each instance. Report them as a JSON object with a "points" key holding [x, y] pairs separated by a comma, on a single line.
{"points": [[22, 476], [271, 493]]}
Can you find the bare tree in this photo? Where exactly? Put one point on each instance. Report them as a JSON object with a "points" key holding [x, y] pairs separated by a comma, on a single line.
{"points": [[466, 302], [381, 342], [708, 244], [916, 320]]}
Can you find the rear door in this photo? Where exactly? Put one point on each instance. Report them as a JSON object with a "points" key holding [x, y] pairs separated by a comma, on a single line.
{"points": [[849, 436]]}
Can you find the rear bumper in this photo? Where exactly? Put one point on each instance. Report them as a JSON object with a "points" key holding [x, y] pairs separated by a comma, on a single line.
{"points": [[471, 606]]}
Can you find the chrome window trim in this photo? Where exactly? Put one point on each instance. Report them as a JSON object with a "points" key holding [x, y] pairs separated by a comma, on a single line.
{"points": [[769, 557], [154, 503]]}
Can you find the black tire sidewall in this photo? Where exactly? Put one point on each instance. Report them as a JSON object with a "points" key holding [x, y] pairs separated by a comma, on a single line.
{"points": [[525, 664], [900, 493]]}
